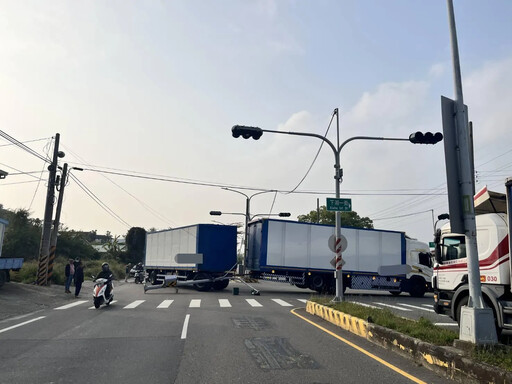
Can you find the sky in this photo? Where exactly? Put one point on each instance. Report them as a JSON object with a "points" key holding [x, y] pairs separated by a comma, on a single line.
{"points": [[151, 89]]}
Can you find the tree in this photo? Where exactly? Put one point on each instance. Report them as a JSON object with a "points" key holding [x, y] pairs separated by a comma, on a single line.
{"points": [[135, 244], [22, 235], [348, 219]]}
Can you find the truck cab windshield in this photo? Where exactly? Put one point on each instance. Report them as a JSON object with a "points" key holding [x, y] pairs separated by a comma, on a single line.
{"points": [[453, 248]]}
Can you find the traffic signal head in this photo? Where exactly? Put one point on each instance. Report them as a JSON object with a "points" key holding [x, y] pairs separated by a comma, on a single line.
{"points": [[215, 213], [246, 132], [425, 138]]}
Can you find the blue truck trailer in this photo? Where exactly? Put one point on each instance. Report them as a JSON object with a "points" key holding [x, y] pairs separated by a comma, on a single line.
{"points": [[7, 264], [298, 253], [202, 252]]}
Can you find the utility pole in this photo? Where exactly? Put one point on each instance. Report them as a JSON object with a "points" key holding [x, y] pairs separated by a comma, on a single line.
{"points": [[42, 272], [56, 222], [477, 321]]}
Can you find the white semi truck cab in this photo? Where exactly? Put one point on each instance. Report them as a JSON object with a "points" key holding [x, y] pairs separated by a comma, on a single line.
{"points": [[450, 279]]}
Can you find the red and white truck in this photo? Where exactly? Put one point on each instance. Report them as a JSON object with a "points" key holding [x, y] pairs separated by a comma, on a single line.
{"points": [[450, 279]]}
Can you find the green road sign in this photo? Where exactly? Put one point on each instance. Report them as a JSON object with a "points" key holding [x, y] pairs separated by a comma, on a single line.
{"points": [[431, 244], [343, 205]]}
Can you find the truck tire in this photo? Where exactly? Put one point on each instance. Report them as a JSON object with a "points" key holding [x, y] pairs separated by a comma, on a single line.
{"points": [[317, 283], [418, 286], [3, 277], [220, 285], [462, 302], [203, 287]]}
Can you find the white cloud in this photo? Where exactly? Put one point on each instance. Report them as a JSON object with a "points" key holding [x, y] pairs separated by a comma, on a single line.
{"points": [[437, 70]]}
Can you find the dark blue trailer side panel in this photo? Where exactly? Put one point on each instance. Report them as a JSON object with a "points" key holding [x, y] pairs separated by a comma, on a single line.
{"points": [[217, 243]]}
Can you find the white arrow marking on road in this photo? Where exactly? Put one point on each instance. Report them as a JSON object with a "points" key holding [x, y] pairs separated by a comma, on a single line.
{"points": [[72, 304], [224, 303], [185, 327], [413, 306], [253, 303], [165, 304], [282, 303], [135, 304], [395, 307], [20, 324], [195, 303]]}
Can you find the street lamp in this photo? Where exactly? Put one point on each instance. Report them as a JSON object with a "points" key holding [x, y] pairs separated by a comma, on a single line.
{"points": [[415, 138]]}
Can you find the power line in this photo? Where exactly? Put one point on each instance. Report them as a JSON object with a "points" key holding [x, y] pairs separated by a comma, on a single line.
{"points": [[397, 217], [27, 141], [22, 146]]}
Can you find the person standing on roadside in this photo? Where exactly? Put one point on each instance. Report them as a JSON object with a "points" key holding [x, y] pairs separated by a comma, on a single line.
{"points": [[127, 271], [69, 272], [79, 278]]}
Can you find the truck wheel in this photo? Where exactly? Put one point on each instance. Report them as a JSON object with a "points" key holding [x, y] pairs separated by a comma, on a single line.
{"points": [[203, 287], [317, 283], [3, 278], [303, 286], [220, 285], [418, 287], [462, 302]]}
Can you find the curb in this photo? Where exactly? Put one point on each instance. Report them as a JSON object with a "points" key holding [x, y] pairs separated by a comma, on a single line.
{"points": [[446, 361]]}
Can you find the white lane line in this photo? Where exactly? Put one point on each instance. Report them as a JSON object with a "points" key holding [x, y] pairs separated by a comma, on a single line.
{"points": [[224, 303], [415, 307], [447, 324], [112, 302], [79, 302], [303, 300], [195, 303], [428, 305], [20, 324], [185, 327], [135, 304], [282, 303], [253, 303], [394, 306], [165, 304], [365, 305]]}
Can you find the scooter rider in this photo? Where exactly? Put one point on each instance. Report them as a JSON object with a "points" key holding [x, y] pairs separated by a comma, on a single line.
{"points": [[106, 273], [139, 267]]}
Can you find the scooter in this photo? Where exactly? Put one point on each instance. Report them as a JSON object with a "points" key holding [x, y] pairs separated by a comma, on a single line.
{"points": [[140, 276], [98, 293]]}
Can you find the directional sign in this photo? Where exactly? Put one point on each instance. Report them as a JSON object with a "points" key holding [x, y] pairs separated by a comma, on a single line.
{"points": [[343, 205]]}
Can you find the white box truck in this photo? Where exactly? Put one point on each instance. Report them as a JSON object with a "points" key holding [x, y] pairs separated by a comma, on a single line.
{"points": [[298, 253]]}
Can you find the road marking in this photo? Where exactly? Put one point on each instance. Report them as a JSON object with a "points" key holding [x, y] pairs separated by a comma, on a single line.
{"points": [[447, 324], [414, 306], [195, 303], [112, 302], [282, 303], [428, 305], [365, 304], [371, 355], [165, 304], [394, 306], [72, 304], [224, 303], [21, 324], [253, 303], [135, 304], [185, 327], [303, 300]]}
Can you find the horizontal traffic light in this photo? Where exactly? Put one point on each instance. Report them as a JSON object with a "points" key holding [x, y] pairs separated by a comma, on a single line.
{"points": [[425, 138], [215, 213], [246, 132]]}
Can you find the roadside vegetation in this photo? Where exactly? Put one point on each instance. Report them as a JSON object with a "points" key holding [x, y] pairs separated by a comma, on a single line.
{"points": [[423, 329]]}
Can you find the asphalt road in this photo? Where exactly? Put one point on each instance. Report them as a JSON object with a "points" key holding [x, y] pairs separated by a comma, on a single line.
{"points": [[192, 337]]}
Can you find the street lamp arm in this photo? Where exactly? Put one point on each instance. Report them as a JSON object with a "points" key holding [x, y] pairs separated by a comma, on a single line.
{"points": [[333, 147], [234, 190], [370, 138]]}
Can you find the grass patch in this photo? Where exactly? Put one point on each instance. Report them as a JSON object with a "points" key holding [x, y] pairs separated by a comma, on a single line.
{"points": [[500, 356], [422, 329]]}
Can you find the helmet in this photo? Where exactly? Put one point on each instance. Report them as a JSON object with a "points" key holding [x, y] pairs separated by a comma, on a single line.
{"points": [[104, 267], [140, 264]]}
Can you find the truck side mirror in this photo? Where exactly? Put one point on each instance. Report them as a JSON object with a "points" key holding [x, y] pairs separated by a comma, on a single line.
{"points": [[437, 241]]}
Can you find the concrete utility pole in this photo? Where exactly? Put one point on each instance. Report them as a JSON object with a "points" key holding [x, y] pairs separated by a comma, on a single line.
{"points": [[56, 222], [476, 322], [42, 272]]}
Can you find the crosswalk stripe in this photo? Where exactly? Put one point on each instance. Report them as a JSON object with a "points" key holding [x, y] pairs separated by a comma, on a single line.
{"points": [[224, 303], [135, 304], [394, 306], [303, 300], [165, 304], [447, 324], [72, 304], [364, 304], [427, 305], [112, 302], [253, 303], [195, 303], [282, 303], [414, 306]]}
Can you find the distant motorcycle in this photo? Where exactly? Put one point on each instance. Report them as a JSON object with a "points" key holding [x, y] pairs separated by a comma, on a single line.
{"points": [[98, 293], [140, 276]]}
